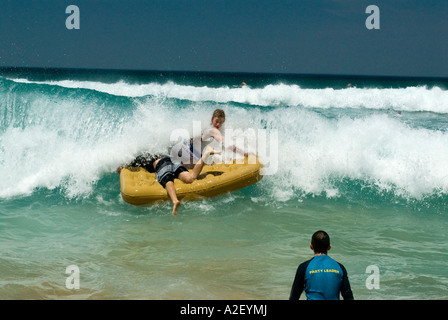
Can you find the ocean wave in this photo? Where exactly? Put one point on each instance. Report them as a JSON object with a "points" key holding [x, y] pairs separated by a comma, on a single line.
{"points": [[381, 151], [69, 140], [411, 99]]}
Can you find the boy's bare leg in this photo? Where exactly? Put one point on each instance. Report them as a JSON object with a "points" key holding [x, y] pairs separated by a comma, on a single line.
{"points": [[189, 177], [173, 196], [197, 169]]}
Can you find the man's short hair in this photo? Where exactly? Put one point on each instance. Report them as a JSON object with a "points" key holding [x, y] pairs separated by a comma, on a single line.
{"points": [[320, 241]]}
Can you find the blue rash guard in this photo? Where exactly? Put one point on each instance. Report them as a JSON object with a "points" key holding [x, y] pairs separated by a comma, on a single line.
{"points": [[322, 278]]}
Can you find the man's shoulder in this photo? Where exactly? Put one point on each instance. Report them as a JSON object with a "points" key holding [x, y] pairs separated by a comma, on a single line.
{"points": [[305, 264]]}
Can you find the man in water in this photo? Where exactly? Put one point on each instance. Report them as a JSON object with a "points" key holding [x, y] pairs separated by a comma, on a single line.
{"points": [[321, 277]]}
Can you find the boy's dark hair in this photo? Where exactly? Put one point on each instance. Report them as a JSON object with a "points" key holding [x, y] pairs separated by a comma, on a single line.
{"points": [[320, 241]]}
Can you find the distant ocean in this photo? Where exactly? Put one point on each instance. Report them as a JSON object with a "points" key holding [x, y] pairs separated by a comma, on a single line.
{"points": [[363, 158]]}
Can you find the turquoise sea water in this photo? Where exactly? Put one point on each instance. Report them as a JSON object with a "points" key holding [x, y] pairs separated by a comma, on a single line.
{"points": [[367, 163]]}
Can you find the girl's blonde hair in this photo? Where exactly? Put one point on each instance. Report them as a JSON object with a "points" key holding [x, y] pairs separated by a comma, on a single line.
{"points": [[218, 113]]}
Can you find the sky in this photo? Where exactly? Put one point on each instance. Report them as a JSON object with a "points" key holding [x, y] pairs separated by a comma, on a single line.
{"points": [[263, 36]]}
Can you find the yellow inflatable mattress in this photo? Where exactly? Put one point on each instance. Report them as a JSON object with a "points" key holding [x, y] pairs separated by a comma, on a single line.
{"points": [[139, 187]]}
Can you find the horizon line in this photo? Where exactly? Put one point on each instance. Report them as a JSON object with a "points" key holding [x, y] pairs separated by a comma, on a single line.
{"points": [[252, 73]]}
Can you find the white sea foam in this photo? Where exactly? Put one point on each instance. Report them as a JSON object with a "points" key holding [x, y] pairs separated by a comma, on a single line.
{"points": [[404, 99], [72, 144], [378, 150]]}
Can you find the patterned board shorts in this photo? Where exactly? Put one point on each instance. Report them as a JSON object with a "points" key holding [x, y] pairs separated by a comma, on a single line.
{"points": [[168, 171]]}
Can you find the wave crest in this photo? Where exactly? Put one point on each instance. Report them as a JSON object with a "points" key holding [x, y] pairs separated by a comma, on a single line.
{"points": [[412, 99]]}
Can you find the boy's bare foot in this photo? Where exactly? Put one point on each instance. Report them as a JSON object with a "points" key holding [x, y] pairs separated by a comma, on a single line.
{"points": [[175, 206]]}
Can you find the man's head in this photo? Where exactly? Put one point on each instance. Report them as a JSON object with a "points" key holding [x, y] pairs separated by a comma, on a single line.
{"points": [[320, 242]]}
